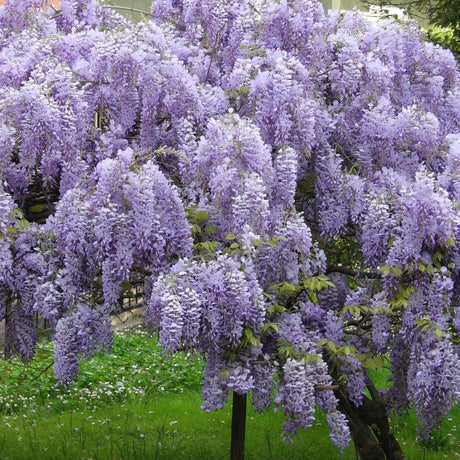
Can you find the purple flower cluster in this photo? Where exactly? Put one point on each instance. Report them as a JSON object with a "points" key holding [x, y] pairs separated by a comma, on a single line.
{"points": [[76, 14], [206, 305], [340, 433], [83, 333], [24, 269], [381, 329], [431, 375], [210, 307], [124, 217], [306, 381], [7, 206], [298, 397]]}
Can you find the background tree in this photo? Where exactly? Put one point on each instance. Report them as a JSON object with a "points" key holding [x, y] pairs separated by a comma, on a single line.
{"points": [[283, 184], [443, 15]]}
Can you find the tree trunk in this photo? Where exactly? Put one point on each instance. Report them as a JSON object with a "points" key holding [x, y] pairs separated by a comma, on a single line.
{"points": [[238, 426], [369, 426]]}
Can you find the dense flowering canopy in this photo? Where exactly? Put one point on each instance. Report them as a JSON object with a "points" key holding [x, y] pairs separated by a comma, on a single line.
{"points": [[283, 183]]}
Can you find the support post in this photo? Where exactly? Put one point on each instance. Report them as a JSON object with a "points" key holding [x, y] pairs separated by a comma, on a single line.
{"points": [[238, 426], [8, 350]]}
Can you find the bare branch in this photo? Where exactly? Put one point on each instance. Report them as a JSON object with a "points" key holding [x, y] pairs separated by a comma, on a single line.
{"points": [[351, 272], [43, 371], [327, 387]]}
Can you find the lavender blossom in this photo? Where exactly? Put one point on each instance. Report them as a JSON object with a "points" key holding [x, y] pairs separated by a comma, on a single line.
{"points": [[340, 433], [297, 395]]}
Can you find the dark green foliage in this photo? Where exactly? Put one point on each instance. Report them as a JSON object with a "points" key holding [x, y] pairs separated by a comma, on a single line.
{"points": [[446, 37]]}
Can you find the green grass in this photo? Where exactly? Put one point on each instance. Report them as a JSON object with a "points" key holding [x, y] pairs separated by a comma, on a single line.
{"points": [[163, 428], [135, 368], [135, 404]]}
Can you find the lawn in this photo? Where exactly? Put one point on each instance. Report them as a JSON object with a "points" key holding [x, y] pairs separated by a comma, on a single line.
{"points": [[134, 403]]}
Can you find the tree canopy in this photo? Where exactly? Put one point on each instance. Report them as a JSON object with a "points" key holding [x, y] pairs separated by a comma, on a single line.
{"points": [[282, 183]]}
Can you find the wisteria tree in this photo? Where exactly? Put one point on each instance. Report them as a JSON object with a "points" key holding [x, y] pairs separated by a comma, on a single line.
{"points": [[283, 183]]}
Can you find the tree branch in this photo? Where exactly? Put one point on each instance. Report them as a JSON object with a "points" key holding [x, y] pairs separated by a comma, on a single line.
{"points": [[43, 371], [327, 387], [351, 272]]}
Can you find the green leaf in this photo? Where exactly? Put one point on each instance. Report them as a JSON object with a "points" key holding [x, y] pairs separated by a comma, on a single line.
{"points": [[15, 213], [273, 242], [210, 230], [269, 327], [351, 281], [312, 358], [318, 283], [322, 278], [249, 338], [437, 257], [286, 350], [200, 216], [332, 346], [229, 236], [328, 345], [387, 269], [346, 350], [313, 297], [23, 224], [400, 300], [196, 229], [209, 246], [276, 309], [438, 333], [243, 91], [311, 284], [36, 208], [375, 362], [426, 325], [354, 310], [286, 289], [248, 332]]}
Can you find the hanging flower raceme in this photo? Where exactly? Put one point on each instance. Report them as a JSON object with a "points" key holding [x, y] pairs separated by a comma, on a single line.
{"points": [[124, 214], [206, 305], [211, 307], [7, 207], [276, 91], [306, 382], [81, 334], [434, 366]]}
